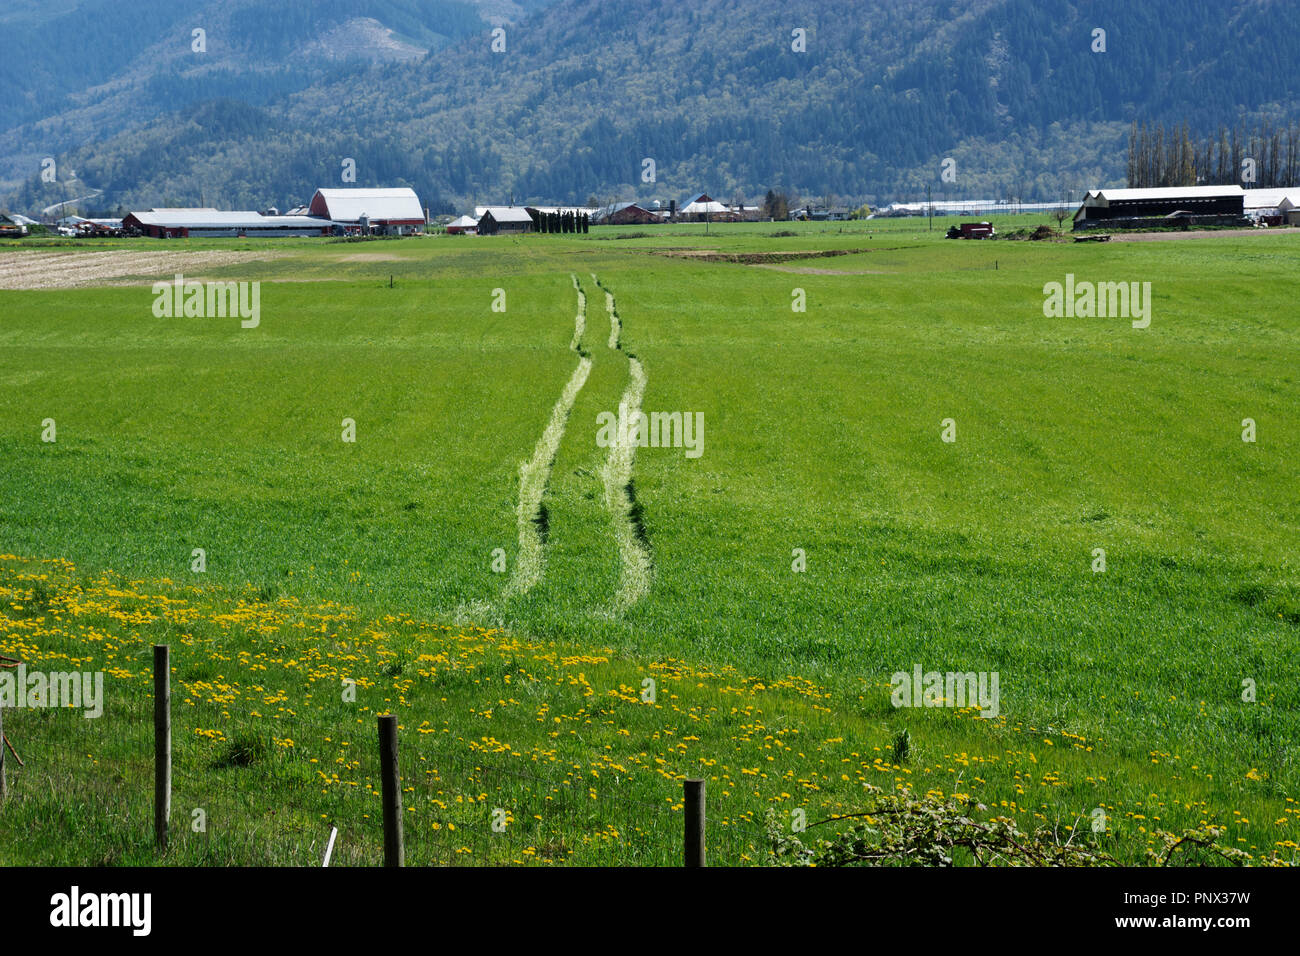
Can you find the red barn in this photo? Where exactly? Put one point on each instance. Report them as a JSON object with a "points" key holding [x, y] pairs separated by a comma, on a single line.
{"points": [[628, 214], [395, 212]]}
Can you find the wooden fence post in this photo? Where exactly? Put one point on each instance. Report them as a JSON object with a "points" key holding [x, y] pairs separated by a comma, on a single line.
{"points": [[4, 784], [694, 822], [394, 848], [162, 743]]}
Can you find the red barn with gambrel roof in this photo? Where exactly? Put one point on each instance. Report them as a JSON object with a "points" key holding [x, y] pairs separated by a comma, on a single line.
{"points": [[393, 211]]}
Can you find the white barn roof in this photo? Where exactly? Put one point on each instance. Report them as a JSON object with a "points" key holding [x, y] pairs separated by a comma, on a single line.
{"points": [[1272, 198], [380, 205], [221, 219], [504, 213], [464, 222], [1104, 197], [697, 207]]}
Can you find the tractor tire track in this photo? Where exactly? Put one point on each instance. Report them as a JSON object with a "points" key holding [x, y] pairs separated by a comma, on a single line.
{"points": [[531, 515], [580, 322], [535, 473], [636, 564], [615, 323]]}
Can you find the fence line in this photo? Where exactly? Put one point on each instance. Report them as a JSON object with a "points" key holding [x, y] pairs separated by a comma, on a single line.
{"points": [[457, 807]]}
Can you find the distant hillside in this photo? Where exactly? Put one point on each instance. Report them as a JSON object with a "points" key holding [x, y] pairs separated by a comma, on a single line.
{"points": [[78, 72], [711, 90]]}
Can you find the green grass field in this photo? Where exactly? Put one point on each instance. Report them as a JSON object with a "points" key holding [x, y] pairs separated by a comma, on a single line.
{"points": [[1121, 690]]}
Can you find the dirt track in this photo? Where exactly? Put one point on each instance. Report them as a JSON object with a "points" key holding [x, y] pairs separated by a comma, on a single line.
{"points": [[1119, 236], [69, 270]]}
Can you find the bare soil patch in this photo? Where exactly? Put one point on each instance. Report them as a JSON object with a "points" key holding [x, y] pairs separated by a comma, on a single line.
{"points": [[814, 271], [1119, 236], [758, 258], [70, 270]]}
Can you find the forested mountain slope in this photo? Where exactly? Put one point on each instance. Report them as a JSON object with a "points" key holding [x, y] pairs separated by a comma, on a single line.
{"points": [[714, 91]]}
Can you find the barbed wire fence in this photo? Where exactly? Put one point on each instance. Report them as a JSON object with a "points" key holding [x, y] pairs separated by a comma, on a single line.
{"points": [[487, 810], [256, 800], [79, 807]]}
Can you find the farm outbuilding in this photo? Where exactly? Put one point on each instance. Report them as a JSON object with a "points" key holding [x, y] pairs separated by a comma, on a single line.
{"points": [[462, 225], [496, 219], [829, 213], [1289, 208], [1271, 205], [627, 214], [393, 212], [181, 223], [702, 206], [1162, 206]]}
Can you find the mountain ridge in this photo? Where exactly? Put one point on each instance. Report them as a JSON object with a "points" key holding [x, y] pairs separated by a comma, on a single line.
{"points": [[715, 92]]}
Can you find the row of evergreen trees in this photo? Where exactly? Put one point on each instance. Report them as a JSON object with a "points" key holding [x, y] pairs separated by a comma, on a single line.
{"points": [[560, 221], [1268, 156]]}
